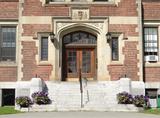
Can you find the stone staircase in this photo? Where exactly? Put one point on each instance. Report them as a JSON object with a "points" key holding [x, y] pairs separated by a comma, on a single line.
{"points": [[97, 96]]}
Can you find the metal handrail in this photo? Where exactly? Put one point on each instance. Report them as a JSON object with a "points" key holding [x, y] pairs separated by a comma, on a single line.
{"points": [[86, 83], [81, 88]]}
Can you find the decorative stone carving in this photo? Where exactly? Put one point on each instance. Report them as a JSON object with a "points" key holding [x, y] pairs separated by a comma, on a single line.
{"points": [[80, 14], [61, 25], [98, 25]]}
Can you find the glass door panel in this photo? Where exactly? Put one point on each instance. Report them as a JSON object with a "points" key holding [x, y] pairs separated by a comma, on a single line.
{"points": [[72, 62], [83, 59], [86, 61]]}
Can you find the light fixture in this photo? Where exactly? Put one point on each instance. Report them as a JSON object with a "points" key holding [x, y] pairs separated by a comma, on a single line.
{"points": [[108, 37], [52, 37]]}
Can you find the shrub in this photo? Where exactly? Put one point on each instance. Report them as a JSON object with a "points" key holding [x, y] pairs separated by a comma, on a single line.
{"points": [[124, 98], [141, 101], [23, 101], [41, 98]]}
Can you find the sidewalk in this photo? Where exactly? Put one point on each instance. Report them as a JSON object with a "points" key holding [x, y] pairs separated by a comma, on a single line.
{"points": [[80, 115]]}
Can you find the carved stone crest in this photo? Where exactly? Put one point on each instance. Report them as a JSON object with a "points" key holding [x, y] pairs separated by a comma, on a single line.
{"points": [[80, 14]]}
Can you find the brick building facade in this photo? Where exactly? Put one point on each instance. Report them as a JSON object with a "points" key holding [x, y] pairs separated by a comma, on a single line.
{"points": [[55, 39]]}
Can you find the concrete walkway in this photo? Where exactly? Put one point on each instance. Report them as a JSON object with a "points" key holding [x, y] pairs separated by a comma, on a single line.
{"points": [[80, 115]]}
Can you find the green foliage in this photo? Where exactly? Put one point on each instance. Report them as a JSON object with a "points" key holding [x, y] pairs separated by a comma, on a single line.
{"points": [[41, 98], [152, 111], [8, 110], [23, 101], [141, 101], [138, 100], [124, 98]]}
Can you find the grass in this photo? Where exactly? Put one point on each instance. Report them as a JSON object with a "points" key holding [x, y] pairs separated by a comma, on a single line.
{"points": [[153, 111], [8, 110]]}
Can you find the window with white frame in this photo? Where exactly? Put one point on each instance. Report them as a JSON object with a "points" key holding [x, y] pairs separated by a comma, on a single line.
{"points": [[7, 43], [77, 0], [151, 44], [44, 48]]}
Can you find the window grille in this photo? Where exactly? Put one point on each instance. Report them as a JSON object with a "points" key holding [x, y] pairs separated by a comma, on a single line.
{"points": [[8, 43]]}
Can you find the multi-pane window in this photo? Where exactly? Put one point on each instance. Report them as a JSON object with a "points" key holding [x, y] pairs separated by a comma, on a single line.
{"points": [[151, 43], [79, 37], [100, 0], [57, 0], [44, 48], [114, 45], [76, 0], [7, 43]]}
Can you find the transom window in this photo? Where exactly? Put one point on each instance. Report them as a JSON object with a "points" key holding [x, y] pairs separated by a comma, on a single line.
{"points": [[7, 43], [151, 43], [79, 37]]}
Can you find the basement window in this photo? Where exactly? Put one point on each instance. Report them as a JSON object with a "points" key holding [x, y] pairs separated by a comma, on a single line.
{"points": [[8, 97]]}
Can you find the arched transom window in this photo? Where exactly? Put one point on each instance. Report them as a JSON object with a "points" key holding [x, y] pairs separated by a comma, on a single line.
{"points": [[79, 37]]}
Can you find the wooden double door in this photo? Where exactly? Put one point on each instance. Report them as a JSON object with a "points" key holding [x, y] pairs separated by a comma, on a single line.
{"points": [[80, 60]]}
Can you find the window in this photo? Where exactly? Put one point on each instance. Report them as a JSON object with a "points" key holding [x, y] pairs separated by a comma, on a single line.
{"points": [[7, 43], [114, 46], [57, 0], [151, 44], [100, 0], [47, 1], [79, 0], [44, 48]]}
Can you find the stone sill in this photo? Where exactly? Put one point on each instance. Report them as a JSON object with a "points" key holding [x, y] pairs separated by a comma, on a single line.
{"points": [[81, 3], [157, 64], [8, 64], [44, 63]]}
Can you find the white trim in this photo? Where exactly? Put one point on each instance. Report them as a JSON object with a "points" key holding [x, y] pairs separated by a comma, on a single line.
{"points": [[87, 2], [36, 19], [123, 20], [8, 85], [152, 85]]}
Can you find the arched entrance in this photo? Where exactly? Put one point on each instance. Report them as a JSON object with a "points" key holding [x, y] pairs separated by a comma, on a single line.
{"points": [[79, 52]]}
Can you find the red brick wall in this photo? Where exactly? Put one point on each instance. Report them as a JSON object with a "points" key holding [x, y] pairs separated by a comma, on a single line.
{"points": [[116, 71], [9, 10], [127, 29], [152, 74], [124, 8], [44, 71], [8, 74], [151, 9], [32, 29], [130, 67], [130, 63], [30, 68], [35, 8]]}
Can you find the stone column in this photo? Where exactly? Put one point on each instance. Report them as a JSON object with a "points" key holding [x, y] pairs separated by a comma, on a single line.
{"points": [[125, 85], [36, 85]]}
